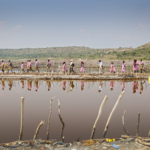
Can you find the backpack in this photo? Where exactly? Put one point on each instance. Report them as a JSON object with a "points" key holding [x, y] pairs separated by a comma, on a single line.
{"points": [[10, 64]]}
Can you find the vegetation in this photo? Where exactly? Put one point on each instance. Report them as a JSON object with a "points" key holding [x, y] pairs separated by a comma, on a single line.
{"points": [[77, 52]]}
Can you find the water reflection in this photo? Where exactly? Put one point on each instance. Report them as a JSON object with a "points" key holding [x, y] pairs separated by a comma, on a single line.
{"points": [[112, 83], [135, 86], [79, 109], [100, 86], [82, 85], [64, 85]]}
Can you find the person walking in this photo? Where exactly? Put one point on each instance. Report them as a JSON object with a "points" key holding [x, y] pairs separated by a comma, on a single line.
{"points": [[100, 66], [134, 66], [142, 66], [82, 67], [64, 67], [36, 66], [123, 67], [10, 66], [2, 65], [22, 67], [48, 64], [137, 66], [71, 66], [112, 68]]}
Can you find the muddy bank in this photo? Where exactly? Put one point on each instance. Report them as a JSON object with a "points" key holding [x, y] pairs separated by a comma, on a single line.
{"points": [[124, 143], [75, 76]]}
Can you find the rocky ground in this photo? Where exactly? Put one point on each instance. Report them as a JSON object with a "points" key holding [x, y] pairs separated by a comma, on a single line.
{"points": [[123, 144]]}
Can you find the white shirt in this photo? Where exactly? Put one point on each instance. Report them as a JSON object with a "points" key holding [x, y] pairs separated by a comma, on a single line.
{"points": [[71, 63], [101, 64]]}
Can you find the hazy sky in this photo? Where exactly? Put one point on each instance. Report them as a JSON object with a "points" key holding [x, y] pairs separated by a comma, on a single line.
{"points": [[90, 23]]}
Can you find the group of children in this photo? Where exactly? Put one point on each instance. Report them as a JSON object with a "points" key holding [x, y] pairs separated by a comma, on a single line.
{"points": [[135, 67], [82, 70]]}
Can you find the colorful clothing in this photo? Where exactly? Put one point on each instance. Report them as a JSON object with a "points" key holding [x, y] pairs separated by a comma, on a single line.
{"points": [[36, 63], [112, 68], [123, 67], [82, 68], [22, 66], [142, 65], [64, 67], [137, 66]]}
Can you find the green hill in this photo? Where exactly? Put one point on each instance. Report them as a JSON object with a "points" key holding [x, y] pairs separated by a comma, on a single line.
{"points": [[55, 52], [141, 52]]}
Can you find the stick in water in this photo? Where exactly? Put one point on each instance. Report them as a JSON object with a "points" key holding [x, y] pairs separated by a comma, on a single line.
{"points": [[98, 116], [63, 124], [49, 118], [115, 106], [38, 128], [123, 123], [22, 118], [137, 132]]}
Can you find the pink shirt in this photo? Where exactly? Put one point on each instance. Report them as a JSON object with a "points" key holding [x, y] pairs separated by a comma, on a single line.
{"points": [[2, 63], [49, 63], [142, 63], [22, 66], [36, 63], [28, 64], [64, 67]]}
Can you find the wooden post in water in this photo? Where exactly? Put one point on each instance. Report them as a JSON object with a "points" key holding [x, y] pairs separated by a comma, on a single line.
{"points": [[115, 106], [123, 123], [49, 117], [137, 132], [63, 124], [38, 128], [22, 118], [98, 116]]}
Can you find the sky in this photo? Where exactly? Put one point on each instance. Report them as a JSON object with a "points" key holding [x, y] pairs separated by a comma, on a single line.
{"points": [[60, 23]]}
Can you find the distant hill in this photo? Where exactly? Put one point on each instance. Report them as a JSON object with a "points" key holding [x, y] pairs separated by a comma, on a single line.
{"points": [[58, 52], [141, 52]]}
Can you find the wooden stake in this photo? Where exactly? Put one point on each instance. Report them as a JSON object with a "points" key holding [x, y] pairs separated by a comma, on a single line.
{"points": [[98, 116], [38, 128], [137, 132], [49, 118], [123, 123], [22, 118], [63, 124], [115, 106]]}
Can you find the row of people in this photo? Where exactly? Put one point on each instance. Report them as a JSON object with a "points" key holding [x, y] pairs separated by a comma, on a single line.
{"points": [[82, 70]]}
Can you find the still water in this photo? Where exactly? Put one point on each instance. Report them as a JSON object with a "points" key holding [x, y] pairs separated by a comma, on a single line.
{"points": [[79, 103]]}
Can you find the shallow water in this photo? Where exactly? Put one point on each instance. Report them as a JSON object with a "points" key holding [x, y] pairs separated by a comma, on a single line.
{"points": [[79, 103]]}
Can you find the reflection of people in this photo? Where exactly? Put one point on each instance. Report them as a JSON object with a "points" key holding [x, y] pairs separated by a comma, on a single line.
{"points": [[10, 84], [64, 85], [82, 85], [49, 85], [82, 67], [141, 89], [123, 85], [112, 83], [64, 67], [36, 85], [3, 84], [29, 83], [135, 86], [71, 86], [22, 84], [100, 86], [112, 68]]}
